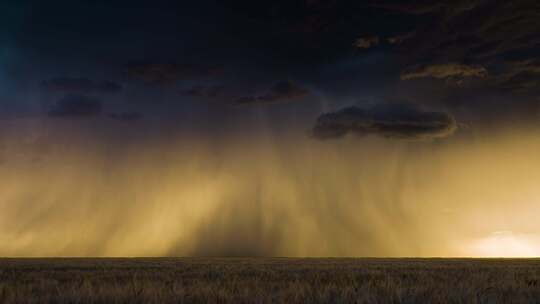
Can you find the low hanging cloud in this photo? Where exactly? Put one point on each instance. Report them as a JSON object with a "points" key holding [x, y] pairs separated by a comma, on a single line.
{"points": [[444, 71], [280, 92], [395, 121], [81, 85], [76, 106], [169, 73]]}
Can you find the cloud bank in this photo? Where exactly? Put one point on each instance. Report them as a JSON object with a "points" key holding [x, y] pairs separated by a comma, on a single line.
{"points": [[400, 121]]}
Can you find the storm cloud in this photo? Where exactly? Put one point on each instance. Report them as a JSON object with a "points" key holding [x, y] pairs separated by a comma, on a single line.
{"points": [[395, 121], [470, 39]]}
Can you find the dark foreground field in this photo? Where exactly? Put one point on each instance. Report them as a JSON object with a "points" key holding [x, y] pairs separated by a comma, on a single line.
{"points": [[269, 281]]}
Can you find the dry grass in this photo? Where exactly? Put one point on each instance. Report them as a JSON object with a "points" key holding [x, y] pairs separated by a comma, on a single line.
{"points": [[274, 280]]}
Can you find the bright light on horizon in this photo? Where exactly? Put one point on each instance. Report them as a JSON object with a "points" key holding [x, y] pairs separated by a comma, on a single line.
{"points": [[505, 244]]}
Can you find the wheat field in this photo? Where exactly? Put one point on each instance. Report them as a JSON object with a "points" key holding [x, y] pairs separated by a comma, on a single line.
{"points": [[269, 280]]}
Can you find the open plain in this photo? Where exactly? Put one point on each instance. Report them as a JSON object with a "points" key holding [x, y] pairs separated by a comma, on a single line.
{"points": [[269, 280]]}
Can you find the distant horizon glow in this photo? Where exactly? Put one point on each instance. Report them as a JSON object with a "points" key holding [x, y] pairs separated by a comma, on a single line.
{"points": [[505, 245]]}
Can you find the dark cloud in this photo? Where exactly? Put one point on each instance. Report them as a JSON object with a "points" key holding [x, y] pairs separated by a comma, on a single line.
{"points": [[279, 92], [522, 82], [400, 38], [284, 90], [443, 71], [76, 106], [306, 33], [427, 7], [477, 34], [530, 65], [313, 41], [81, 85], [126, 116], [169, 73], [366, 42], [398, 121], [520, 77]]}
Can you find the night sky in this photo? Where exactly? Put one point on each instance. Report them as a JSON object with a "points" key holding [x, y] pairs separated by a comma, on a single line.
{"points": [[296, 128]]}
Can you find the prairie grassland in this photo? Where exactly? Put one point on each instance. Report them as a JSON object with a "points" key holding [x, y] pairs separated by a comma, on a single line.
{"points": [[269, 280]]}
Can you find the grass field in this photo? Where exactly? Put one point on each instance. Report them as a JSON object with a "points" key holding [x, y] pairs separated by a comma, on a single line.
{"points": [[273, 280]]}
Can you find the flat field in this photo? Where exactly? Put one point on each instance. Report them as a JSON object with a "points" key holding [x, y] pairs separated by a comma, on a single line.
{"points": [[269, 280]]}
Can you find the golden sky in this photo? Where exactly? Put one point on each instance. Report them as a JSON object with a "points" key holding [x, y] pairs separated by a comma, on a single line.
{"points": [[275, 196]]}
